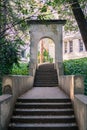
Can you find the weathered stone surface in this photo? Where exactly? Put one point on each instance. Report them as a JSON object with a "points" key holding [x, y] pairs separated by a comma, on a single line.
{"points": [[80, 107], [72, 85], [48, 29], [5, 110], [44, 92], [16, 86]]}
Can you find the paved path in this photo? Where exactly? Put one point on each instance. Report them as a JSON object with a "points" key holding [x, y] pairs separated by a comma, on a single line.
{"points": [[44, 92]]}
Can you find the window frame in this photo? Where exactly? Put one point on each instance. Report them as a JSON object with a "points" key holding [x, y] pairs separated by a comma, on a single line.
{"points": [[70, 46], [80, 45], [65, 47]]}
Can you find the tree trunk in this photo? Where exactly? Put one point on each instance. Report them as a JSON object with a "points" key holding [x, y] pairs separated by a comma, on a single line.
{"points": [[81, 20]]}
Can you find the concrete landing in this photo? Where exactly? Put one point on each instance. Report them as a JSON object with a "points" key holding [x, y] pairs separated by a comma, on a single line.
{"points": [[44, 92]]}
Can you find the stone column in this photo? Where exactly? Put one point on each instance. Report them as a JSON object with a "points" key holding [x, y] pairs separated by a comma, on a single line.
{"points": [[33, 55], [59, 51]]}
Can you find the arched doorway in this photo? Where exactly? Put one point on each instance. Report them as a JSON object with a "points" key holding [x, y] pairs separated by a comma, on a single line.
{"points": [[46, 51], [41, 29]]}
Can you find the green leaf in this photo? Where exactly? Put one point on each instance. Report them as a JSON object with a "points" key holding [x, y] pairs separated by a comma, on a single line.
{"points": [[44, 9]]}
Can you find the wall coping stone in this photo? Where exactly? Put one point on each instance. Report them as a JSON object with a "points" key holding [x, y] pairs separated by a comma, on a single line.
{"points": [[18, 76], [72, 75], [4, 97], [82, 98]]}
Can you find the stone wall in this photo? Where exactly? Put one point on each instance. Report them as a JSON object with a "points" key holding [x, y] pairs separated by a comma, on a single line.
{"points": [[73, 86], [80, 107], [17, 84], [13, 87], [6, 107]]}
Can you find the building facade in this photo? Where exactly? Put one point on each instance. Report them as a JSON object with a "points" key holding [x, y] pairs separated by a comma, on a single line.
{"points": [[73, 47]]}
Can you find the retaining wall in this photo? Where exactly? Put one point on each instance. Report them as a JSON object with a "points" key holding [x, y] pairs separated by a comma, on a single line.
{"points": [[13, 87], [73, 86]]}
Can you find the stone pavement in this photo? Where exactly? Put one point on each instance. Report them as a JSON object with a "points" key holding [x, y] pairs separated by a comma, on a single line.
{"points": [[44, 92]]}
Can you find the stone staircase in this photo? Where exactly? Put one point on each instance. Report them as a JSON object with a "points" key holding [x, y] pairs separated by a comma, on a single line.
{"points": [[46, 76], [43, 114]]}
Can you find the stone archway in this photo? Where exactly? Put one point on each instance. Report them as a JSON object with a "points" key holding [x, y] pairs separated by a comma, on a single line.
{"points": [[46, 28]]}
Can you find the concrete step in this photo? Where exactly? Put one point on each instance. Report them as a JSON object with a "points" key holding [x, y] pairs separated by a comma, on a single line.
{"points": [[46, 78], [47, 126], [47, 66], [45, 85], [46, 82], [49, 100], [42, 112], [44, 70], [43, 105], [43, 119], [46, 73]]}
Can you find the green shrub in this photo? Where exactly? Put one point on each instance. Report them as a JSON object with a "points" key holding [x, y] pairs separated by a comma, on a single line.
{"points": [[21, 70], [77, 67], [9, 55]]}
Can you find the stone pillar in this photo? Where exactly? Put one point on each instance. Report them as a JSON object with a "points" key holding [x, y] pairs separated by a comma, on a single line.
{"points": [[33, 56], [59, 52]]}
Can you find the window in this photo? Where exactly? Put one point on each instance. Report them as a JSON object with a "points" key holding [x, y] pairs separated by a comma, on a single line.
{"points": [[65, 47], [23, 53], [80, 45], [70, 46]]}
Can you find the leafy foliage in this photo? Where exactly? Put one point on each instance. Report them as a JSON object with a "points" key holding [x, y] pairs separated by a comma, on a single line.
{"points": [[9, 55], [77, 67], [64, 10], [46, 57], [11, 36], [22, 69]]}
